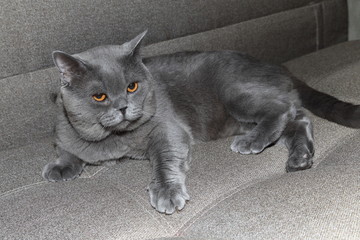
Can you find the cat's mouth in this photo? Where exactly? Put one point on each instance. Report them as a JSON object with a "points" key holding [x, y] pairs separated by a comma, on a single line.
{"points": [[116, 126], [116, 121]]}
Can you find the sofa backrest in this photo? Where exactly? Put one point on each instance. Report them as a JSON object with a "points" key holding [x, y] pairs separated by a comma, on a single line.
{"points": [[31, 30], [272, 30]]}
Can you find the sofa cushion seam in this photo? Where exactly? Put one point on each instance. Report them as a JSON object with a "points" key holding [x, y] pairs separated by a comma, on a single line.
{"points": [[221, 199], [19, 189], [136, 198], [317, 38]]}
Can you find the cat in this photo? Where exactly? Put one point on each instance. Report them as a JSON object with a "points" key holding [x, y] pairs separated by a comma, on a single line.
{"points": [[115, 104]]}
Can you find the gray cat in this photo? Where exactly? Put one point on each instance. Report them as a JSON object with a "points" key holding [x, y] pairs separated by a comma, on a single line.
{"points": [[114, 104]]}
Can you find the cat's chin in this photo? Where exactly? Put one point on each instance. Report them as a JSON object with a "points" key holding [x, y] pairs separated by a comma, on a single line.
{"points": [[120, 127]]}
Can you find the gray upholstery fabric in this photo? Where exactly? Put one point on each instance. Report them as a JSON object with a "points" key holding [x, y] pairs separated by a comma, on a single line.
{"points": [[23, 165], [302, 30], [275, 208], [354, 19], [268, 38], [27, 111], [346, 152], [330, 70], [31, 30]]}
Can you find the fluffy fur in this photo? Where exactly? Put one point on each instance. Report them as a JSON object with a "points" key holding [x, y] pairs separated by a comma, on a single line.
{"points": [[181, 99]]}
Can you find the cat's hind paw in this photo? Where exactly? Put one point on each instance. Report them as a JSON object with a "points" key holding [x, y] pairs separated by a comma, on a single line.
{"points": [[246, 145], [168, 198], [300, 159], [54, 172]]}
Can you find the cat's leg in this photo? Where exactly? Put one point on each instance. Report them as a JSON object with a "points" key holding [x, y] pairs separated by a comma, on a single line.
{"points": [[169, 155], [270, 123], [66, 167], [298, 138]]}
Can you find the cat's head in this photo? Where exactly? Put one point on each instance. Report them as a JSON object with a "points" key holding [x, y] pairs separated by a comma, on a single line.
{"points": [[106, 89]]}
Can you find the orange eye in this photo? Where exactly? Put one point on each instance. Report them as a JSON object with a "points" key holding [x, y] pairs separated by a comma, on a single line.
{"points": [[99, 97], [132, 87]]}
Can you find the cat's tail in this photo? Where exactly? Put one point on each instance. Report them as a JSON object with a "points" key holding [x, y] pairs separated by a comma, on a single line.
{"points": [[328, 107]]}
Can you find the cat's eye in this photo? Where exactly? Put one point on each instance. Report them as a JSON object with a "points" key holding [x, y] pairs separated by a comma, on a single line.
{"points": [[132, 87], [99, 97]]}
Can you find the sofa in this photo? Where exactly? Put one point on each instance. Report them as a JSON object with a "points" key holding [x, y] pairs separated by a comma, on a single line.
{"points": [[233, 196]]}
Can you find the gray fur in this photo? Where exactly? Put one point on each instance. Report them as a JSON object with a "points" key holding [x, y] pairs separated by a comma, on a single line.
{"points": [[182, 99]]}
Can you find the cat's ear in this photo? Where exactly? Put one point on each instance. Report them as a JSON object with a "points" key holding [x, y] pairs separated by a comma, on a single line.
{"points": [[132, 47], [69, 66]]}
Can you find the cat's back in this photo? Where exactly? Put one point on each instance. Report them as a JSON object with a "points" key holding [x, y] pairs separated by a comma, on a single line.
{"points": [[206, 66], [185, 75], [188, 81], [198, 84], [176, 64], [190, 71], [204, 72]]}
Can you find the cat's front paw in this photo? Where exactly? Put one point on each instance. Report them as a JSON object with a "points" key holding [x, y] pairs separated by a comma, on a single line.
{"points": [[248, 145], [168, 197], [55, 172]]}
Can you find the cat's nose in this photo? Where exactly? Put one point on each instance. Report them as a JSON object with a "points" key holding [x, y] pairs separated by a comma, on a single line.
{"points": [[123, 110]]}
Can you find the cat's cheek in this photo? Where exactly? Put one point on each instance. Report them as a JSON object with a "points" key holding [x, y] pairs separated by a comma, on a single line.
{"points": [[133, 116]]}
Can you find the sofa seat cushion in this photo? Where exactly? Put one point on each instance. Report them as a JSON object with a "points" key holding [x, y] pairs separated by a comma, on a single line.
{"points": [[314, 204], [22, 166], [334, 70], [112, 202], [232, 196]]}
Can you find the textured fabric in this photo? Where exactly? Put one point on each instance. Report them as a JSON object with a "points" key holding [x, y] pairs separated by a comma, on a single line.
{"points": [[268, 38], [114, 204], [27, 112], [354, 19], [314, 204], [346, 152], [302, 30], [22, 166], [31, 30], [335, 71], [335, 20], [189, 238]]}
